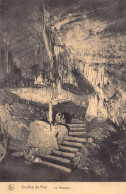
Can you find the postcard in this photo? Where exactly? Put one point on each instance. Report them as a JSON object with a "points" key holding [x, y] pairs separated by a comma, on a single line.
{"points": [[63, 96]]}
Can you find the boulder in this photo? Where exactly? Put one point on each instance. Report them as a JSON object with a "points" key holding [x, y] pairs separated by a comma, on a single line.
{"points": [[41, 125], [42, 137], [61, 131]]}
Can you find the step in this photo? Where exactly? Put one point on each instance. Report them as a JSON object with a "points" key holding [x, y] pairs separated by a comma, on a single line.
{"points": [[76, 125], [65, 154], [77, 139], [77, 133], [56, 158], [76, 121], [77, 129], [73, 144], [67, 148], [60, 167]]}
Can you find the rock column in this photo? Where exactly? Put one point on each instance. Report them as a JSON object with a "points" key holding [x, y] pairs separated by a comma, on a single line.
{"points": [[50, 112]]}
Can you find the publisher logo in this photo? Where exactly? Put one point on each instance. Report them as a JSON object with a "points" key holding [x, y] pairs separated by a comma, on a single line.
{"points": [[11, 187]]}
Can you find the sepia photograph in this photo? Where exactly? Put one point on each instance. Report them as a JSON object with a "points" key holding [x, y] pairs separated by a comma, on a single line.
{"points": [[62, 92]]}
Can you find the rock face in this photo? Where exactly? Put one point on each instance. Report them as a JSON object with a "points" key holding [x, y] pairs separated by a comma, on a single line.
{"points": [[16, 129], [3, 146], [104, 152], [3, 143], [2, 152], [15, 116], [108, 100]]}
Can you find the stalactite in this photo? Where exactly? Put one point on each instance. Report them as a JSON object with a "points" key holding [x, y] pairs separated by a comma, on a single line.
{"points": [[45, 37], [7, 62], [95, 77], [56, 51]]}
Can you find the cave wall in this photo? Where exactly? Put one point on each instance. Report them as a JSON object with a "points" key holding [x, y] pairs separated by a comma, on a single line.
{"points": [[92, 40], [88, 37]]}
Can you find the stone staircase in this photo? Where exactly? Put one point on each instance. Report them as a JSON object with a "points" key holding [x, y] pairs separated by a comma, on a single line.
{"points": [[62, 158]]}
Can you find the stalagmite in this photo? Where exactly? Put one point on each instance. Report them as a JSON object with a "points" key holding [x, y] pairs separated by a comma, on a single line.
{"points": [[97, 79]]}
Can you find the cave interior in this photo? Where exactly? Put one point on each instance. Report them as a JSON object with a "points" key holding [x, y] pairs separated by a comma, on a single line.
{"points": [[63, 89]]}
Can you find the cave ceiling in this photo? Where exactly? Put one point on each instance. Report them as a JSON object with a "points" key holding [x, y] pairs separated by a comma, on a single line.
{"points": [[92, 31]]}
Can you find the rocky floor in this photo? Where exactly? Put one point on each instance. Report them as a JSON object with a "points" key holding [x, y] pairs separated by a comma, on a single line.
{"points": [[16, 170], [99, 159]]}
